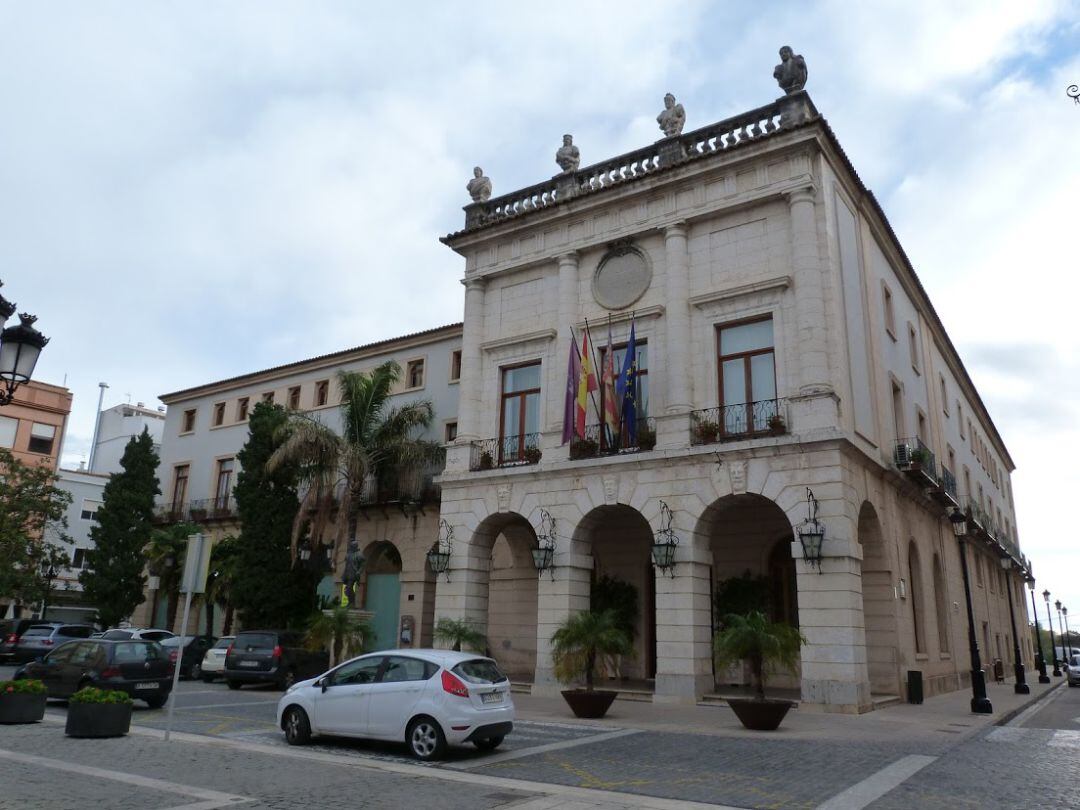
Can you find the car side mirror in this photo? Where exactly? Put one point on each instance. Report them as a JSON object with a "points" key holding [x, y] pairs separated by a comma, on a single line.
{"points": [[322, 683]]}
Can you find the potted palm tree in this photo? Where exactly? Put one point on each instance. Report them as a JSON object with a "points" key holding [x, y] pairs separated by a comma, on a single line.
{"points": [[22, 701], [340, 631], [98, 713], [584, 641], [752, 637], [459, 633]]}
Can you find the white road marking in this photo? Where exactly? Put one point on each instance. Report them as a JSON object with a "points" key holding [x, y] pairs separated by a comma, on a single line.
{"points": [[211, 799], [1065, 739], [878, 784], [539, 749]]}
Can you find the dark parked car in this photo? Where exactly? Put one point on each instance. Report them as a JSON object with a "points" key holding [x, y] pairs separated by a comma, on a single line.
{"points": [[140, 668], [10, 630], [44, 637], [195, 648], [271, 656]]}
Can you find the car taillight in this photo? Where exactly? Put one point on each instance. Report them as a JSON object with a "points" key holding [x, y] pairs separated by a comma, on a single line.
{"points": [[11, 638], [229, 651], [277, 651], [110, 672], [47, 642], [172, 656], [453, 684]]}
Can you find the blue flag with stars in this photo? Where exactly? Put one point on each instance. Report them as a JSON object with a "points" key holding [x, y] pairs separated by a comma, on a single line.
{"points": [[626, 390]]}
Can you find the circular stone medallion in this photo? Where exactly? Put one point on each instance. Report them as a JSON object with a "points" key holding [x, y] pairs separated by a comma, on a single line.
{"points": [[621, 278]]}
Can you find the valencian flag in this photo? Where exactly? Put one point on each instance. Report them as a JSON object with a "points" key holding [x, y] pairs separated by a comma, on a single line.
{"points": [[573, 372], [626, 389], [610, 416], [586, 385]]}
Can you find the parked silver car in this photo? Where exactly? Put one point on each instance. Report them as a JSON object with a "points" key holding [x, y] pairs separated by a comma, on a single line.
{"points": [[39, 639]]}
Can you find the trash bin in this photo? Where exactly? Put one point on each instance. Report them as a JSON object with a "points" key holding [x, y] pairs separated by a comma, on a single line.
{"points": [[914, 686], [999, 671]]}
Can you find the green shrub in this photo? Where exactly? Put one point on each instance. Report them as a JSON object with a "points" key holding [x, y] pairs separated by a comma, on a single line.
{"points": [[89, 694], [27, 686]]}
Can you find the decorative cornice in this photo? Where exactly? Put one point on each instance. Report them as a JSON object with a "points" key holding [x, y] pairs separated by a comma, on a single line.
{"points": [[778, 283], [541, 335]]}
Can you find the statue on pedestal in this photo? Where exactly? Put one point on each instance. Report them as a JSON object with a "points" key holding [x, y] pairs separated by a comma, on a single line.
{"points": [[790, 74], [568, 157], [479, 187], [354, 567], [672, 118]]}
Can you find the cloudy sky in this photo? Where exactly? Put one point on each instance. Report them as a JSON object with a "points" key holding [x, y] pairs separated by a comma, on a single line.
{"points": [[196, 190]]}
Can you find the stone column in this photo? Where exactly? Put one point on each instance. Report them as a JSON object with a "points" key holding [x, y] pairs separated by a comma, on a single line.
{"points": [[677, 350], [683, 632], [465, 596], [469, 403], [558, 597], [814, 386], [568, 310]]}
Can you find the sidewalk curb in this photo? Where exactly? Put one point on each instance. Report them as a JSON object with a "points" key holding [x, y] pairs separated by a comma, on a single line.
{"points": [[1013, 713]]}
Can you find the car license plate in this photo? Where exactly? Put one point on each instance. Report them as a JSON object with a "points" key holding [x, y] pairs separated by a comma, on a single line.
{"points": [[491, 697], [147, 685], [249, 663]]}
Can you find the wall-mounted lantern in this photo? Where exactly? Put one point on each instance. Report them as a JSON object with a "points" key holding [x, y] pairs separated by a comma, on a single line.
{"points": [[663, 548], [439, 557], [812, 533], [544, 554]]}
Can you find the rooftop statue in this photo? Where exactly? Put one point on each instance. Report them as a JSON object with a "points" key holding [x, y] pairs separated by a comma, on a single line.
{"points": [[791, 72], [479, 187], [672, 118], [568, 157]]}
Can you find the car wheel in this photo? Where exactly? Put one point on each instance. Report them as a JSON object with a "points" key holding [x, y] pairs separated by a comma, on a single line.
{"points": [[156, 702], [233, 684], [194, 671], [207, 678], [488, 743], [296, 725], [425, 739], [287, 680]]}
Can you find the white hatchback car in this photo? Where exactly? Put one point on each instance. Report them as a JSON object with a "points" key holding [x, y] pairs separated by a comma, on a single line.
{"points": [[428, 698], [213, 663]]}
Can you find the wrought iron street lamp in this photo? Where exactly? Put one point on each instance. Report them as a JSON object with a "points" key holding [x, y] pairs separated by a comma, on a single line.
{"points": [[544, 554], [1061, 635], [439, 557], [1050, 629], [48, 573], [665, 543], [1043, 677], [1020, 686], [812, 533], [1066, 645], [20, 347], [980, 703]]}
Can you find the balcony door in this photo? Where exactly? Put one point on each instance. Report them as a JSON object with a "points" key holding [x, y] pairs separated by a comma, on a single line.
{"points": [[224, 482], [747, 372], [520, 412]]}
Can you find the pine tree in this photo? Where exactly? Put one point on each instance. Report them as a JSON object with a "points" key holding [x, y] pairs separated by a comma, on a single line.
{"points": [[114, 581], [269, 590]]}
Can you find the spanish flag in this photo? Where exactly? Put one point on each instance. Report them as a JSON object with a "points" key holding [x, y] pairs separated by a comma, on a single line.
{"points": [[586, 384]]}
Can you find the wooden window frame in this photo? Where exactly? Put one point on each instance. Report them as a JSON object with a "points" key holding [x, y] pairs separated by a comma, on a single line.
{"points": [[409, 366], [887, 311], [455, 365], [603, 356], [188, 421], [913, 347], [746, 357], [450, 424], [218, 417], [185, 468], [219, 499], [293, 397], [322, 393], [243, 409], [523, 395]]}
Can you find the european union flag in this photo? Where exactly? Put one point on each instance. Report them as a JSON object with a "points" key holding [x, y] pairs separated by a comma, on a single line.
{"points": [[626, 390]]}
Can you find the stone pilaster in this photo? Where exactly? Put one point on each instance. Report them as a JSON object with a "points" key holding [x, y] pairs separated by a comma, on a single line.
{"points": [[568, 310], [677, 315], [465, 596], [471, 362], [683, 634], [558, 596]]}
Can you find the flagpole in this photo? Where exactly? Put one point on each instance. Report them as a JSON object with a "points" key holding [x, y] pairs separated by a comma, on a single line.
{"points": [[591, 395]]}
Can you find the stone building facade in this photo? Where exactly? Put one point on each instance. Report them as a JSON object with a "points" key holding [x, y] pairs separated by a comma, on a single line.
{"points": [[789, 347]]}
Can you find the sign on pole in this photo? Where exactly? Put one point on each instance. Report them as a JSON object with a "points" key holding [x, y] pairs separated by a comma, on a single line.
{"points": [[196, 565]]}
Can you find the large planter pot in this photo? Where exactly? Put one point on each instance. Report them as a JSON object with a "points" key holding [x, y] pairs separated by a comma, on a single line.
{"points": [[590, 705], [98, 719], [760, 715], [21, 708]]}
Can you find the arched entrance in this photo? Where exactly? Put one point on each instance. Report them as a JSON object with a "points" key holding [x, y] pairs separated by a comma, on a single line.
{"points": [[750, 539], [382, 592], [512, 593], [620, 541], [879, 606]]}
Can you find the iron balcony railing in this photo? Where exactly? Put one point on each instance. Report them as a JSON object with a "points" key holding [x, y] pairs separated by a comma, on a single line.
{"points": [[507, 451], [911, 454], [948, 483], [600, 440], [767, 417], [196, 511]]}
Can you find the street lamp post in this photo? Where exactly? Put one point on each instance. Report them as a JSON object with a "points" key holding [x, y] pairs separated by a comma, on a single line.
{"points": [[1050, 630], [20, 347], [1020, 687], [980, 703], [48, 573], [1043, 677], [1066, 645], [1061, 634]]}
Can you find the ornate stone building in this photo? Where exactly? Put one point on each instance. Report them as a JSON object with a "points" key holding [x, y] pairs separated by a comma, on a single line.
{"points": [[785, 345]]}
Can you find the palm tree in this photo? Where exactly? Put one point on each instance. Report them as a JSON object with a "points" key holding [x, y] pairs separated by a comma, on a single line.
{"points": [[376, 447], [224, 559], [585, 639], [761, 642], [165, 559], [458, 633], [340, 631]]}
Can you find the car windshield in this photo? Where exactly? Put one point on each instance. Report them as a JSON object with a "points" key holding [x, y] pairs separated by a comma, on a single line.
{"points": [[116, 635], [175, 641], [38, 631], [246, 642], [223, 643], [1074, 661], [480, 670], [136, 652]]}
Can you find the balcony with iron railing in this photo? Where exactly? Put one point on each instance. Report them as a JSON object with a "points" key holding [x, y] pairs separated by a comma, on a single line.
{"points": [[917, 462], [727, 423], [509, 451], [944, 492], [599, 440], [202, 510]]}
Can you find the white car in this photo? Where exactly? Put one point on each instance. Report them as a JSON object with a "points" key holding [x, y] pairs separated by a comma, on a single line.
{"points": [[428, 698], [1072, 671], [136, 633], [213, 662]]}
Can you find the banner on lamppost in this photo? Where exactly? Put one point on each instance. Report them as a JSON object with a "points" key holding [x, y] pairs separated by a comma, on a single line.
{"points": [[196, 564]]}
